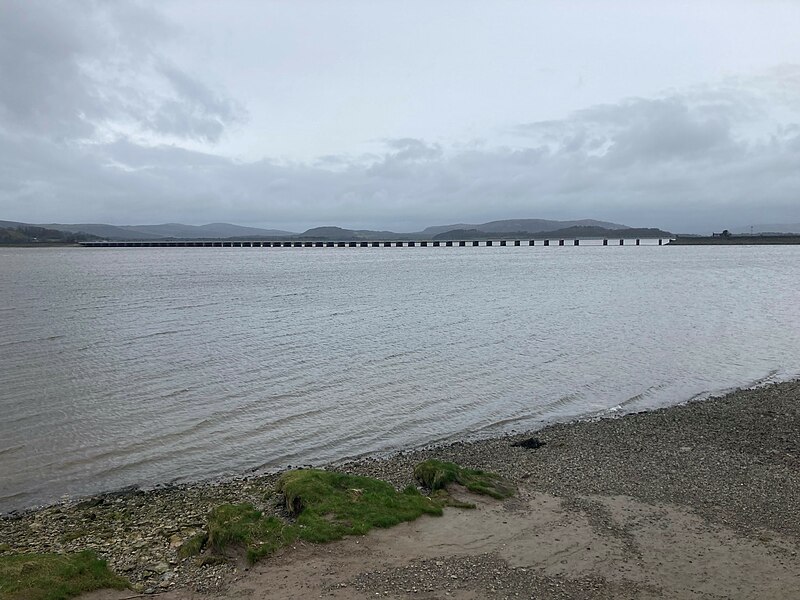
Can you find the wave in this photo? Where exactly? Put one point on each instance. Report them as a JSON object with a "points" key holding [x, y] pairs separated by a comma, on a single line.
{"points": [[156, 334], [11, 449]]}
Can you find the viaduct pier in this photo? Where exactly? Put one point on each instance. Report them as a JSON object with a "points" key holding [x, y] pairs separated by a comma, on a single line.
{"points": [[361, 243]]}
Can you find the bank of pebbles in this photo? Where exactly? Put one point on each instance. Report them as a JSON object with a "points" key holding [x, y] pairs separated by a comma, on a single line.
{"points": [[140, 532], [735, 460]]}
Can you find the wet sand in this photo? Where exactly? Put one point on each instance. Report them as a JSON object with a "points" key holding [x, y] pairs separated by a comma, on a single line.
{"points": [[698, 501]]}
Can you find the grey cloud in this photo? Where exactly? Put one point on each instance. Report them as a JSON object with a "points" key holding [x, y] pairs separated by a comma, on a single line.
{"points": [[406, 155], [331, 161], [44, 88], [413, 149], [781, 84], [175, 118], [197, 93], [668, 130], [72, 69], [639, 130], [670, 162], [197, 112], [133, 156]]}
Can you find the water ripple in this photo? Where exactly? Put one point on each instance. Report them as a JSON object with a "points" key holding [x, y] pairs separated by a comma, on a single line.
{"points": [[159, 365]]}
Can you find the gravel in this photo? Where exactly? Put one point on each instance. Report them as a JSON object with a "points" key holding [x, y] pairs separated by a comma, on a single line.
{"points": [[138, 532], [733, 460], [491, 577]]}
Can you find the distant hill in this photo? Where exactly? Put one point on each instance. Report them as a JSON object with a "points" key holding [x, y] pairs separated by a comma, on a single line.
{"points": [[775, 228], [338, 233], [523, 225], [230, 230], [30, 234], [475, 234], [511, 228], [212, 230], [582, 232], [108, 232], [168, 230]]}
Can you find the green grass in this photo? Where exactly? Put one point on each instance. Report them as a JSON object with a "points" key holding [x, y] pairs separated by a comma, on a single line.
{"points": [[326, 506], [329, 505], [194, 545], [54, 576], [437, 475], [241, 526]]}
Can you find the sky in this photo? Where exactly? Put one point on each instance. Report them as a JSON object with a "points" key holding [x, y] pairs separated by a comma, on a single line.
{"points": [[399, 115]]}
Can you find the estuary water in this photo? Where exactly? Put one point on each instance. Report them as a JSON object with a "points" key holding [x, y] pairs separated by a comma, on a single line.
{"points": [[144, 366]]}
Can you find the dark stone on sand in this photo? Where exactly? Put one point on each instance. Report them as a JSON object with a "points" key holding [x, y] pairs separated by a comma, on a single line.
{"points": [[529, 443]]}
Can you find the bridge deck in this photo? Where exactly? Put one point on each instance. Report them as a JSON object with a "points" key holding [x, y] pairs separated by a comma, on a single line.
{"points": [[362, 243]]}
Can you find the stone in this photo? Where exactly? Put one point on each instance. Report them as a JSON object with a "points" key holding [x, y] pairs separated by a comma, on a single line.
{"points": [[159, 567], [529, 443]]}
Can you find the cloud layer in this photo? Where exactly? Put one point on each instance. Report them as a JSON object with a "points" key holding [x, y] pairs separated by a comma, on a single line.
{"points": [[76, 70], [98, 124]]}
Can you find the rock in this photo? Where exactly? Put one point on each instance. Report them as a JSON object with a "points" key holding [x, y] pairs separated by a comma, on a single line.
{"points": [[90, 503], [159, 567], [529, 443], [176, 540]]}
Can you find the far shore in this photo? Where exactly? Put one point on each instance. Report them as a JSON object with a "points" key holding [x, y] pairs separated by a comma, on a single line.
{"points": [[693, 501], [736, 240], [43, 245]]}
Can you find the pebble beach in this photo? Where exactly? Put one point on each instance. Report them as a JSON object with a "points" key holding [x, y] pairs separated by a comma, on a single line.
{"points": [[725, 470]]}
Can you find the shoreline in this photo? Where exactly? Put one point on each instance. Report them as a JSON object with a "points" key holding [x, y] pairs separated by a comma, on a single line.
{"points": [[488, 432], [737, 240], [731, 461]]}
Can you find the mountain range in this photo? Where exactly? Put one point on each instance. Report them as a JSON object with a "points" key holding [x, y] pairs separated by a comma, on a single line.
{"points": [[576, 231], [522, 225], [517, 227], [167, 230]]}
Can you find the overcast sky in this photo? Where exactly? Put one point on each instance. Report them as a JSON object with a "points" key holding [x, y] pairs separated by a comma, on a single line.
{"points": [[398, 115]]}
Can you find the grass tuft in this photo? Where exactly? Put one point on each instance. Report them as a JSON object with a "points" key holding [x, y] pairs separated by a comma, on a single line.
{"points": [[326, 506], [54, 576], [329, 505], [437, 475], [194, 545], [242, 526]]}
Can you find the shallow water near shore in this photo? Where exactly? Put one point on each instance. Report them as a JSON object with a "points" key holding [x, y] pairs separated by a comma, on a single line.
{"points": [[147, 366]]}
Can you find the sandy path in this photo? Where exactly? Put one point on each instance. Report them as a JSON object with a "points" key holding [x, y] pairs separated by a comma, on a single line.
{"points": [[534, 546]]}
